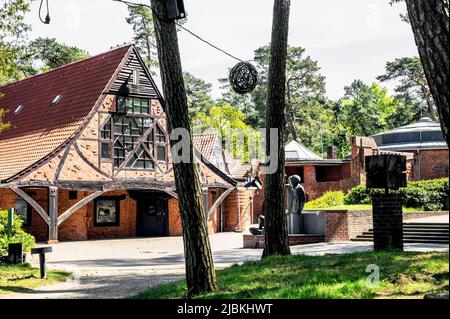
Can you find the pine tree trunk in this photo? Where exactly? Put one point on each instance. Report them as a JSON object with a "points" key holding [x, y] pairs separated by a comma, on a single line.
{"points": [[430, 24], [275, 230], [200, 273]]}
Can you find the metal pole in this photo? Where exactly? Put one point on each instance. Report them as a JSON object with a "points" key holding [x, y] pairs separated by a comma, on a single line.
{"points": [[10, 222], [42, 265]]}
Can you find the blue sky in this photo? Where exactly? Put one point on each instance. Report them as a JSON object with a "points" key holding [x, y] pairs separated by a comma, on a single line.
{"points": [[350, 39]]}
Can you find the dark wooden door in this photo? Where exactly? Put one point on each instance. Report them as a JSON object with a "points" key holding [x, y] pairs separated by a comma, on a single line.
{"points": [[152, 217]]}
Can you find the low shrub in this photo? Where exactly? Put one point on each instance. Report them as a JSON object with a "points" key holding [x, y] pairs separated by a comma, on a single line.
{"points": [[426, 195], [18, 234], [329, 199], [358, 195]]}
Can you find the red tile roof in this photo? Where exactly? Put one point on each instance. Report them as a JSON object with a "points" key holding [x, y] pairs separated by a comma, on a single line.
{"points": [[205, 143], [38, 129]]}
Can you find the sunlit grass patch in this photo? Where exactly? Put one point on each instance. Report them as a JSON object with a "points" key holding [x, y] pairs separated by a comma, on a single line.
{"points": [[401, 274], [24, 278]]}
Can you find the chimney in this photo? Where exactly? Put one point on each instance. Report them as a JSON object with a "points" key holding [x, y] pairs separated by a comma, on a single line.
{"points": [[332, 152]]}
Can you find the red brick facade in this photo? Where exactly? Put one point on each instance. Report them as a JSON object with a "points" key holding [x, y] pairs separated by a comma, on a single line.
{"points": [[90, 157], [430, 164], [321, 176], [336, 226], [236, 211]]}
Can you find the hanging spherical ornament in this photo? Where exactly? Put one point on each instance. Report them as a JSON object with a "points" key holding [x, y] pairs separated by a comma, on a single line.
{"points": [[243, 77]]}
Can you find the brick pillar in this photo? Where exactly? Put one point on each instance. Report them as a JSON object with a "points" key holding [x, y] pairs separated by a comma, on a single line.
{"points": [[309, 174], [387, 222]]}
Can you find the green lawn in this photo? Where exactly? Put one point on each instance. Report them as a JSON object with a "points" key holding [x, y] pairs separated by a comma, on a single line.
{"points": [[356, 207], [24, 278], [402, 275]]}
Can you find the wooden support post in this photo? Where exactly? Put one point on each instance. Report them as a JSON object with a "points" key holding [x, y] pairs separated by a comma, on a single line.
{"points": [[33, 204], [53, 214], [77, 206], [219, 201]]}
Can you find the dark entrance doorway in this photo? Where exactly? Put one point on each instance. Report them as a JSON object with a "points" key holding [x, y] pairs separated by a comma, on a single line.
{"points": [[152, 214]]}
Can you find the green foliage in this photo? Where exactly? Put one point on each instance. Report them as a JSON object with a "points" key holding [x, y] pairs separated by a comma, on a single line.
{"points": [[20, 58], [3, 126], [51, 54], [358, 195], [13, 35], [308, 111], [319, 277], [238, 138], [18, 235], [23, 278], [198, 94], [366, 109], [427, 195], [412, 89], [329, 199], [141, 20]]}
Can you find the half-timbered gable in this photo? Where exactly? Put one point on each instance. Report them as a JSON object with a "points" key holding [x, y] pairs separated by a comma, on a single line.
{"points": [[88, 152]]}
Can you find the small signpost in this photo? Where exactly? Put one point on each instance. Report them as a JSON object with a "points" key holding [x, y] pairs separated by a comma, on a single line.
{"points": [[15, 250], [10, 222], [41, 252]]}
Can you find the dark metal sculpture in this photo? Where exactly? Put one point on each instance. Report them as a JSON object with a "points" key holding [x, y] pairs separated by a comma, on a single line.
{"points": [[386, 171], [260, 229], [243, 77]]}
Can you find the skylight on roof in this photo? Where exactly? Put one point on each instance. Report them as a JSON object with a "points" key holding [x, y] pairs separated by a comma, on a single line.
{"points": [[18, 109], [56, 100]]}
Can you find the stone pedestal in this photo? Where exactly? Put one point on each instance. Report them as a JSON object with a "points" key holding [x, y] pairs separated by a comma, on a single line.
{"points": [[387, 222]]}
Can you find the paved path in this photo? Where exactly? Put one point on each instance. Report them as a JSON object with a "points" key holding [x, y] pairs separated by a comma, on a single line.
{"points": [[124, 267], [433, 219]]}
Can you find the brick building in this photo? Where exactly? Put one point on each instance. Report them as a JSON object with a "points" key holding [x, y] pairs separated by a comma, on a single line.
{"points": [[88, 156], [422, 144], [423, 141]]}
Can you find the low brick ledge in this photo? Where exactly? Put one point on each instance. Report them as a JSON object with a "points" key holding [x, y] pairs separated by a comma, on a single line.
{"points": [[257, 241], [423, 214]]}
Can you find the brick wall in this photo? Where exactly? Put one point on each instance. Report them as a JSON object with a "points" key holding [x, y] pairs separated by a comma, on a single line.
{"points": [[433, 164], [336, 226], [7, 198], [38, 228], [175, 224], [387, 222], [238, 210], [358, 222], [127, 226], [76, 226]]}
